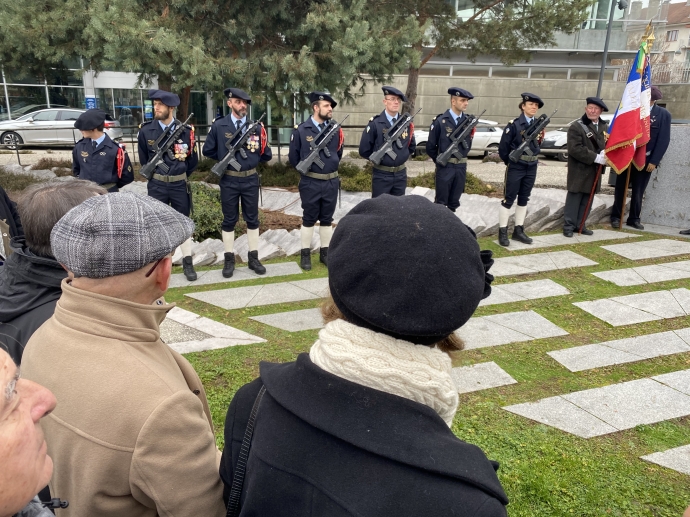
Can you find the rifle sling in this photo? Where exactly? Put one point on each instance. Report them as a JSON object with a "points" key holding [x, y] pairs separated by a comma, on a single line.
{"points": [[591, 135]]}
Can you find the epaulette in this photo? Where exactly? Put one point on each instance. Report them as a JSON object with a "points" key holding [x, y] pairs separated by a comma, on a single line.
{"points": [[189, 126], [296, 126], [144, 123], [214, 119], [372, 118]]}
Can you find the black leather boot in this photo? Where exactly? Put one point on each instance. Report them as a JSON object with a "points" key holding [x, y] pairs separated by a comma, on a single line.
{"points": [[188, 269], [323, 256], [254, 263], [305, 259], [520, 235], [229, 265], [503, 237]]}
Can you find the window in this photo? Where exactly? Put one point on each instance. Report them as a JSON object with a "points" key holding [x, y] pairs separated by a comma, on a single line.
{"points": [[510, 72], [470, 71], [549, 73], [70, 115], [481, 129], [671, 35], [442, 70], [43, 116]]}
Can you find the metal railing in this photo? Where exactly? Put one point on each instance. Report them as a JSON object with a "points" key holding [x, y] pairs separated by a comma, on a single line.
{"points": [[662, 73]]}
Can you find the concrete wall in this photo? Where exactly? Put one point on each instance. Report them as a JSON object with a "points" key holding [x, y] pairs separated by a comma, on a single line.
{"points": [[677, 100]]}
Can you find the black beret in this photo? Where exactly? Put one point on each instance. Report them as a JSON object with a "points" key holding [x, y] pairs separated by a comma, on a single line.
{"points": [[236, 93], [598, 102], [655, 94], [389, 90], [90, 119], [530, 97], [167, 98], [459, 92], [406, 267], [322, 96]]}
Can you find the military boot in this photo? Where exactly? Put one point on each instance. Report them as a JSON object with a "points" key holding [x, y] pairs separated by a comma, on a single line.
{"points": [[254, 263], [520, 235], [323, 256], [503, 237], [305, 259], [188, 269], [229, 265]]}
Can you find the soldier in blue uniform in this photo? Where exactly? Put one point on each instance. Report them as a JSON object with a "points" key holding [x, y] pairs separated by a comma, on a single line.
{"points": [[96, 157], [170, 188], [391, 176], [450, 179], [659, 138], [519, 177], [239, 186], [319, 187]]}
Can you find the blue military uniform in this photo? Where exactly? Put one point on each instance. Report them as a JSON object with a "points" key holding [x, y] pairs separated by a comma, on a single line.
{"points": [[106, 163], [520, 176]]}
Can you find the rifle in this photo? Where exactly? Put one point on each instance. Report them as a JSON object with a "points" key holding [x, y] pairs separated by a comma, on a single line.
{"points": [[157, 161], [229, 159], [531, 134], [392, 138], [458, 137], [328, 132]]}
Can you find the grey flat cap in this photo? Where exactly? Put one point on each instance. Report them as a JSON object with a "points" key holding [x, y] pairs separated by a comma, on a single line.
{"points": [[117, 233]]}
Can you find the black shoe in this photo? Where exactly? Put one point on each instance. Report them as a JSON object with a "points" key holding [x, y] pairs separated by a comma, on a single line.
{"points": [[586, 231], [323, 256], [305, 259], [684, 232], [503, 237], [615, 223], [229, 265], [188, 269], [520, 235], [567, 233], [636, 225], [254, 263]]}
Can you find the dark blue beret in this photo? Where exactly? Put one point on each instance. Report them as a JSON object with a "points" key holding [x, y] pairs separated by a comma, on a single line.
{"points": [[459, 92], [655, 93], [167, 98], [389, 90], [530, 97], [406, 267], [598, 102], [90, 119], [322, 96], [236, 93]]}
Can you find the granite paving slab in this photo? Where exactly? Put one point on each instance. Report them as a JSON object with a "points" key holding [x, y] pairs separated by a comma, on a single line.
{"points": [[586, 357], [614, 313], [677, 380], [480, 376], [293, 321], [659, 303], [558, 239], [677, 459], [682, 296], [499, 296], [521, 291], [650, 249], [215, 276], [621, 277], [529, 323], [539, 262]]}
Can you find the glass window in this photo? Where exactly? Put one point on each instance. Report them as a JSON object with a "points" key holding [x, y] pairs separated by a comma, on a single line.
{"points": [[70, 115], [591, 74], [485, 129], [128, 110], [509, 71], [549, 73], [47, 115], [3, 105], [104, 100], [470, 71], [197, 105], [671, 35], [442, 70], [66, 97], [26, 99]]}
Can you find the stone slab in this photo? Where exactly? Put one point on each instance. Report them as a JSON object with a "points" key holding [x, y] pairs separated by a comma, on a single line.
{"points": [[558, 239], [215, 276], [499, 296], [672, 231], [658, 303], [293, 321], [522, 291], [480, 376], [621, 277], [614, 313], [529, 323], [679, 381], [677, 459], [661, 273], [650, 249], [174, 332], [539, 262]]}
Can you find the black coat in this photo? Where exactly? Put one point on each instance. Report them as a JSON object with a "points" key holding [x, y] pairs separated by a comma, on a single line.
{"points": [[300, 147], [222, 130], [324, 446], [439, 135], [582, 170], [9, 214], [102, 165], [149, 133], [373, 138], [659, 134], [512, 138]]}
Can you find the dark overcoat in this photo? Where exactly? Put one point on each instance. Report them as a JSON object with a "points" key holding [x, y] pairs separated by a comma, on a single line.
{"points": [[325, 446], [582, 170]]}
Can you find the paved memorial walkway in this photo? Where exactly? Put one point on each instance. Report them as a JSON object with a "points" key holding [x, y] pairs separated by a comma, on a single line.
{"points": [[647, 274], [650, 249], [215, 276], [558, 239]]}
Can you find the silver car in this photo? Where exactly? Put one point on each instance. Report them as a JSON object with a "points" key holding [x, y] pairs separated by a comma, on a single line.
{"points": [[49, 127]]}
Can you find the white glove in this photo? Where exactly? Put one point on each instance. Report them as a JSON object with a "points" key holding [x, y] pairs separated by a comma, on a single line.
{"points": [[601, 158]]}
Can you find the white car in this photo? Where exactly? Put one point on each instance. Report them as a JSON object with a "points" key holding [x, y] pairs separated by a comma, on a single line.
{"points": [[488, 135], [557, 140]]}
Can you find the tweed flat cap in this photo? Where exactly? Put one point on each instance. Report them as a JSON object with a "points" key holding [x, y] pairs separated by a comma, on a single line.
{"points": [[405, 267], [117, 233]]}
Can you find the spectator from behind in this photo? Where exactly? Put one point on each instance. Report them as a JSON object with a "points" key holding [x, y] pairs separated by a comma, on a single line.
{"points": [[133, 432]]}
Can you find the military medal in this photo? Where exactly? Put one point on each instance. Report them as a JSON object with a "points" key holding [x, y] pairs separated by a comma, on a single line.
{"points": [[253, 143], [180, 151]]}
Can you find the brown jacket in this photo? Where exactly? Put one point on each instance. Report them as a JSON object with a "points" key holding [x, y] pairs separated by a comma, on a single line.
{"points": [[131, 435], [582, 170]]}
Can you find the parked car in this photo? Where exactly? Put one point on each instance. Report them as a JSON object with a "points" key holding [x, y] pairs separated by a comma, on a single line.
{"points": [[18, 111], [49, 127], [488, 135], [557, 140]]}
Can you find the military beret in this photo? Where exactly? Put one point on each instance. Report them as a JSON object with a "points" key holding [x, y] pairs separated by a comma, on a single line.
{"points": [[236, 93], [389, 90], [406, 267], [530, 97], [117, 233], [167, 98], [321, 96], [597, 101], [90, 119], [459, 92], [656, 93]]}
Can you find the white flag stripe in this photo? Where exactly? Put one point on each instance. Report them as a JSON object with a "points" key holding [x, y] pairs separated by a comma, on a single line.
{"points": [[631, 97]]}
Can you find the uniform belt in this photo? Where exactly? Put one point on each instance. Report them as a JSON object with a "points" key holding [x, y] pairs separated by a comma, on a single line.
{"points": [[241, 174], [108, 186], [318, 176], [170, 179], [528, 158], [389, 169], [457, 160]]}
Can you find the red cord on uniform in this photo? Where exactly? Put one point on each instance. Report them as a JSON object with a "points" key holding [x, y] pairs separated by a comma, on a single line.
{"points": [[120, 161], [341, 138], [191, 141], [264, 139], [409, 143], [474, 130]]}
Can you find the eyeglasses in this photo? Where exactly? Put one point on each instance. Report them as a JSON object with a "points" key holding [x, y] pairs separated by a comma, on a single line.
{"points": [[392, 99], [154, 267]]}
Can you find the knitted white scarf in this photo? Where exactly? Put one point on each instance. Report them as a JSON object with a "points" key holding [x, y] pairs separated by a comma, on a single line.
{"points": [[416, 372]]}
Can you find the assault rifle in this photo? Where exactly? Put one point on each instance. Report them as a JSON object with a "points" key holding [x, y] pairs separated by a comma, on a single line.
{"points": [[392, 138], [326, 135], [531, 134], [229, 159], [157, 161], [457, 138]]}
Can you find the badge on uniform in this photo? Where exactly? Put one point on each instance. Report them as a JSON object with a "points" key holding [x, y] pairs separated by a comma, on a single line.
{"points": [[180, 151], [292, 137], [84, 154], [507, 130], [404, 135], [368, 128], [253, 143], [431, 128], [102, 153], [310, 138], [151, 142], [228, 135], [449, 130]]}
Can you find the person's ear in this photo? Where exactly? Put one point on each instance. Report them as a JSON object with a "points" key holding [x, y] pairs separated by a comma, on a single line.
{"points": [[163, 272]]}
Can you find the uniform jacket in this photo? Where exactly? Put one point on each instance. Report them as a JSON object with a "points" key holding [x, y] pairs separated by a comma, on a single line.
{"points": [[102, 165], [659, 134], [373, 138], [511, 139], [300, 147], [325, 446], [132, 435], [439, 133], [222, 130], [149, 133], [582, 171]]}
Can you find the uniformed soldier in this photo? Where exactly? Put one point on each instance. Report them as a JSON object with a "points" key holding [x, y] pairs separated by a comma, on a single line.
{"points": [[318, 188], [96, 157], [659, 138], [391, 176], [170, 188], [519, 177], [450, 179], [239, 186]]}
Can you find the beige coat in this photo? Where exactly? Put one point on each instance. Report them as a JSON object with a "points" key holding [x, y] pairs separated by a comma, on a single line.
{"points": [[131, 435]]}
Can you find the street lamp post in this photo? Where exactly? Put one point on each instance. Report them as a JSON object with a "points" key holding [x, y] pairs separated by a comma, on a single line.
{"points": [[622, 5]]}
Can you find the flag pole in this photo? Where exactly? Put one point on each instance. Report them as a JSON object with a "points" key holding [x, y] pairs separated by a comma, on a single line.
{"points": [[589, 201], [625, 197]]}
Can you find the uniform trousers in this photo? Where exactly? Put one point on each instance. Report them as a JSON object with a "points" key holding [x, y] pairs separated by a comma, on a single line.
{"points": [[639, 181], [450, 184], [319, 200], [174, 194], [519, 180], [233, 191], [393, 183]]}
